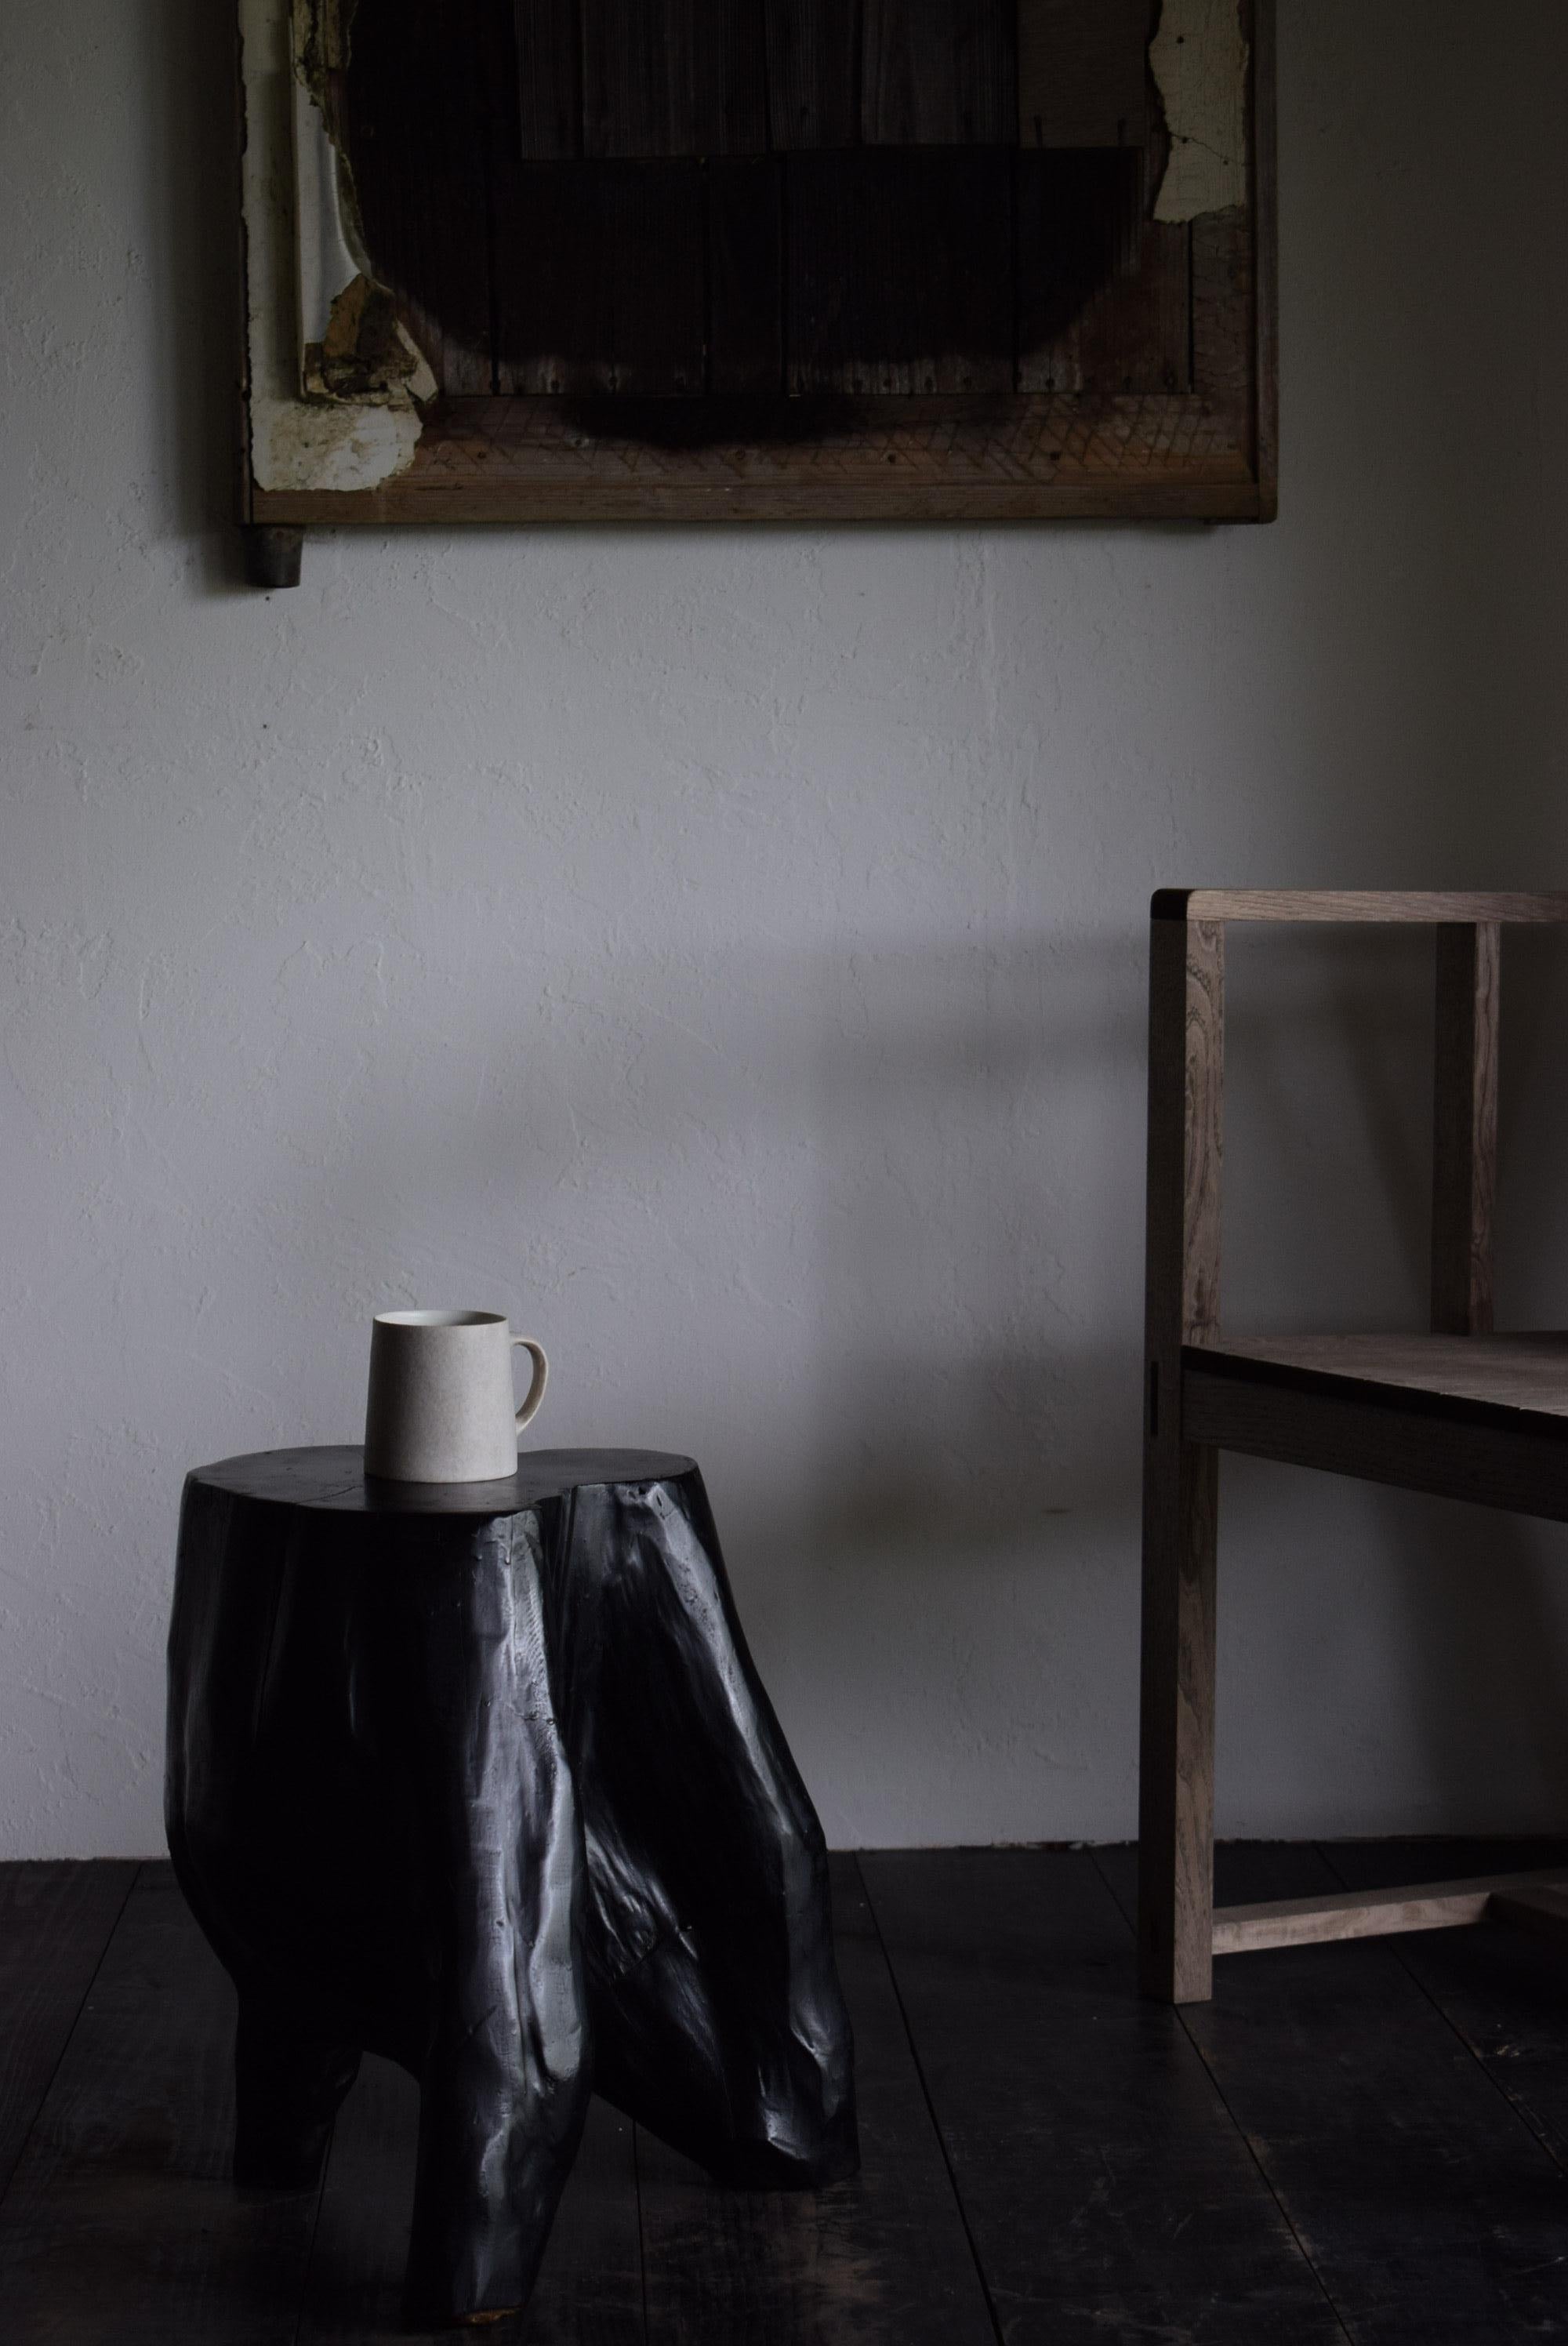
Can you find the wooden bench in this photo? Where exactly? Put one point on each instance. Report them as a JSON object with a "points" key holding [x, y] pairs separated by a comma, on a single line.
{"points": [[1460, 1411]]}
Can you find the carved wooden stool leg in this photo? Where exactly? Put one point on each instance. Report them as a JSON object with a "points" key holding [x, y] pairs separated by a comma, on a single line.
{"points": [[718, 2017], [287, 2084], [506, 2080], [481, 1779]]}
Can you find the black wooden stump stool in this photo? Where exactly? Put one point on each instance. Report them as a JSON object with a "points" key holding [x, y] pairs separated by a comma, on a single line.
{"points": [[481, 1777]]}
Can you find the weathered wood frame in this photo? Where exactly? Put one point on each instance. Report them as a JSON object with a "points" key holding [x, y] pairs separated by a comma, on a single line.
{"points": [[1437, 1433], [949, 458]]}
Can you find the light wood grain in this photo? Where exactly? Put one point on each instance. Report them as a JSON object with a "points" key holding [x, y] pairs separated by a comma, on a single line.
{"points": [[1459, 1414], [1203, 1141], [434, 502], [1373, 1914], [1465, 1126], [1513, 1372], [1490, 1454], [1175, 1830], [517, 459], [1383, 904]]}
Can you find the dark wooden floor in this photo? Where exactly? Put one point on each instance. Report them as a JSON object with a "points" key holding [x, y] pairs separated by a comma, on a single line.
{"points": [[1365, 2142]]}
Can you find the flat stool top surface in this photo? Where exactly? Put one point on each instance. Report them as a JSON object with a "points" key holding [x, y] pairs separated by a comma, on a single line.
{"points": [[333, 1481]]}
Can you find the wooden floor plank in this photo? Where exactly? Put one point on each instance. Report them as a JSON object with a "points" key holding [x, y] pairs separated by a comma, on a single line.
{"points": [[881, 2257], [1503, 1992], [55, 1923], [1403, 2102], [1428, 2208], [589, 2290], [1108, 2192], [121, 2227]]}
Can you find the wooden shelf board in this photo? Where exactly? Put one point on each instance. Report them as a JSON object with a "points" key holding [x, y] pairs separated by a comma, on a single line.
{"points": [[1479, 1418], [1518, 1371]]}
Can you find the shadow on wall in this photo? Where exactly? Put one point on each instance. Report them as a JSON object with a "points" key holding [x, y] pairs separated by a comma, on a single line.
{"points": [[1328, 1043], [913, 1175], [1484, 1661], [884, 1208], [193, 290], [1473, 1623], [856, 1170], [974, 1251], [1329, 1040]]}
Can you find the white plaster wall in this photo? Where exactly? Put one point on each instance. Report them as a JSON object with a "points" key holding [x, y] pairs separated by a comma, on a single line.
{"points": [[727, 951]]}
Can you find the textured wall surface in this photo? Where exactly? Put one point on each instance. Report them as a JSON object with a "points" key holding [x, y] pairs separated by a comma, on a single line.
{"points": [[726, 952]]}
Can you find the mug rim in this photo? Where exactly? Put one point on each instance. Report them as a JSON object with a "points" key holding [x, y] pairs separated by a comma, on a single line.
{"points": [[439, 1319]]}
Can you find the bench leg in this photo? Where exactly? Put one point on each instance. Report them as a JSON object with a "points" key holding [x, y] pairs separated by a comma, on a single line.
{"points": [[1175, 1790]]}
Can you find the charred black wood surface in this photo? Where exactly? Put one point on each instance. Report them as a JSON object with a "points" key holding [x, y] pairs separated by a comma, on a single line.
{"points": [[481, 1779]]}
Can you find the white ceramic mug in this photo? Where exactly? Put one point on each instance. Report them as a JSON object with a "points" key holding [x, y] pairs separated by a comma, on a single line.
{"points": [[439, 1407]]}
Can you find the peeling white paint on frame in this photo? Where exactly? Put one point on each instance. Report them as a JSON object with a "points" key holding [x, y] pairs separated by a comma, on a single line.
{"points": [[299, 441], [1199, 60], [327, 262]]}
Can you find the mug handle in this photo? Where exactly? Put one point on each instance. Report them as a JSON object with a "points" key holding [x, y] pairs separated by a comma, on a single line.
{"points": [[541, 1378]]}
